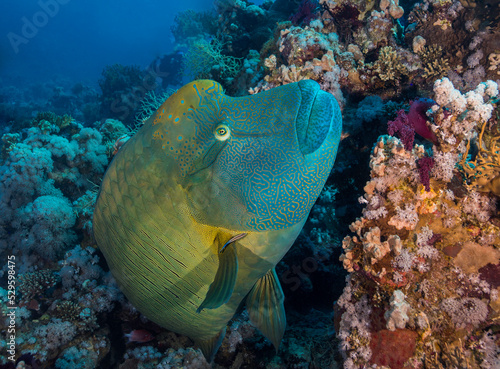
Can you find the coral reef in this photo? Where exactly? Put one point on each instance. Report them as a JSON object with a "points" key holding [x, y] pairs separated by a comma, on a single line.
{"points": [[483, 173], [190, 25], [421, 256], [119, 85], [63, 305], [372, 52], [41, 177]]}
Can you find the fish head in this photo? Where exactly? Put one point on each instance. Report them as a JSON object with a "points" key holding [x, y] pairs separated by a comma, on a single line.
{"points": [[252, 163]]}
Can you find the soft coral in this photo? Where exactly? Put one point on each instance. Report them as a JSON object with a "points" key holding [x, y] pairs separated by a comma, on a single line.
{"points": [[418, 118], [406, 125]]}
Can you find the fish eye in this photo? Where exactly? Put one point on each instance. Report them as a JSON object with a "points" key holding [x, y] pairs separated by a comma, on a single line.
{"points": [[222, 132]]}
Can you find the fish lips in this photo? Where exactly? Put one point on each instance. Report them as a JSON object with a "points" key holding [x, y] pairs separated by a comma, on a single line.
{"points": [[314, 118]]}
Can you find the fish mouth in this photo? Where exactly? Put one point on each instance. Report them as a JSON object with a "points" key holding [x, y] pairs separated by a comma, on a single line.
{"points": [[314, 117]]}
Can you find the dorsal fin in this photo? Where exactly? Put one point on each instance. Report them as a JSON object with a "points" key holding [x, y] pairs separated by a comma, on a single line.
{"points": [[265, 307]]}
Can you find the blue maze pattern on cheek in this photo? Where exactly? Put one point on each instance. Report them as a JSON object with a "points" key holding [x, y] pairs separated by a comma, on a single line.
{"points": [[266, 168]]}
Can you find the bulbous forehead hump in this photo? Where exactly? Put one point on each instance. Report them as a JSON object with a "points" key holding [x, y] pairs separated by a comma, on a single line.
{"points": [[203, 95]]}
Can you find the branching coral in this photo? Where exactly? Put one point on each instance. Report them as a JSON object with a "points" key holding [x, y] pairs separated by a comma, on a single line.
{"points": [[83, 318], [388, 66], [206, 59], [494, 60], [9, 141], [35, 284], [433, 62]]}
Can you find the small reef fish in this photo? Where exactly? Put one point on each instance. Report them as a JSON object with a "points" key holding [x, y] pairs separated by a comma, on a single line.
{"points": [[199, 206], [139, 335]]}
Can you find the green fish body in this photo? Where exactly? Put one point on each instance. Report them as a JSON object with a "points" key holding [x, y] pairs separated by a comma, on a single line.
{"points": [[198, 207]]}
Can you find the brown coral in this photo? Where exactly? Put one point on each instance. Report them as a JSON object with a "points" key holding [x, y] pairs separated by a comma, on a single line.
{"points": [[433, 62], [388, 66]]}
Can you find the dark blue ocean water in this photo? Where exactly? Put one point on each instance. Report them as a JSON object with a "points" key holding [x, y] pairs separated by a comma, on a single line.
{"points": [[74, 40]]}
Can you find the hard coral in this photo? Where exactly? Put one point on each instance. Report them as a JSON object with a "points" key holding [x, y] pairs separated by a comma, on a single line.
{"points": [[388, 66], [483, 173], [433, 62], [47, 116], [9, 141], [35, 284]]}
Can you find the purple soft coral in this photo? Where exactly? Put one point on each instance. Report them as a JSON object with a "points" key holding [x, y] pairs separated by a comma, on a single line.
{"points": [[416, 121], [425, 165], [402, 126]]}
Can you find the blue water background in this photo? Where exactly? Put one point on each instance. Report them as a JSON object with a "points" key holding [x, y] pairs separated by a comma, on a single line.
{"points": [[76, 39]]}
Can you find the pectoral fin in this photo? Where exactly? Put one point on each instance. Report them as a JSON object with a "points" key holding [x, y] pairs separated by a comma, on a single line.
{"points": [[222, 287], [265, 307], [210, 347], [233, 239]]}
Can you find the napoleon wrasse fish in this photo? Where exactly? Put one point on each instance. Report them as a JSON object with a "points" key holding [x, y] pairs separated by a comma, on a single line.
{"points": [[199, 206]]}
